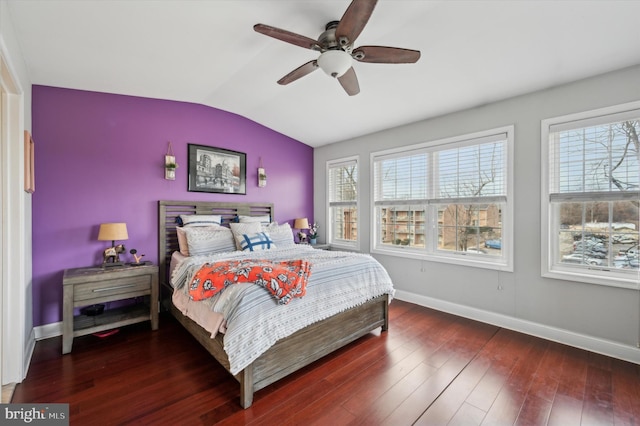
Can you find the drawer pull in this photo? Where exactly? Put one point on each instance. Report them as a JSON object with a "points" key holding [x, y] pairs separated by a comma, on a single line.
{"points": [[117, 287]]}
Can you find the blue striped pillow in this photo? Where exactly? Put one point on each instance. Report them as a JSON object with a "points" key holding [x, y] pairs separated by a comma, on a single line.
{"points": [[200, 219], [256, 242], [209, 240]]}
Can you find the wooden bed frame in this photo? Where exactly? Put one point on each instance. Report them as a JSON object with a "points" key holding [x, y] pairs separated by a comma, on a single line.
{"points": [[289, 354]]}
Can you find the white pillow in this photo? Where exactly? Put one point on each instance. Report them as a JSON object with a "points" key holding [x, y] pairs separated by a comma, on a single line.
{"points": [[239, 229], [201, 219], [265, 220], [209, 240], [282, 235]]}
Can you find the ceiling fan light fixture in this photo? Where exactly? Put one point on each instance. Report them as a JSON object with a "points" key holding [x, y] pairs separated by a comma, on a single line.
{"points": [[335, 62]]}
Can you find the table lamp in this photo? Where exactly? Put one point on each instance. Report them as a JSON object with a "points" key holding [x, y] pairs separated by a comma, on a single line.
{"points": [[112, 232], [302, 223]]}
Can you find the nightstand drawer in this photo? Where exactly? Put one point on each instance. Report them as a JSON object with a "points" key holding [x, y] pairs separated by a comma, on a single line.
{"points": [[131, 286]]}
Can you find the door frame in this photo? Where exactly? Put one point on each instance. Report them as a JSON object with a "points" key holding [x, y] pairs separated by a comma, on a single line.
{"points": [[16, 325]]}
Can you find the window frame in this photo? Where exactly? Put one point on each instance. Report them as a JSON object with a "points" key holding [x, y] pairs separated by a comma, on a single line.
{"points": [[431, 252], [550, 226], [341, 243]]}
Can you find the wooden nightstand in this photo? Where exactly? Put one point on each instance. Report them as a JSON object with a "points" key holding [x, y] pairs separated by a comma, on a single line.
{"points": [[88, 286], [321, 246]]}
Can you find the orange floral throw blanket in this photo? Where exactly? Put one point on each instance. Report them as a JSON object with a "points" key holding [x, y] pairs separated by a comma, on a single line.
{"points": [[284, 280]]}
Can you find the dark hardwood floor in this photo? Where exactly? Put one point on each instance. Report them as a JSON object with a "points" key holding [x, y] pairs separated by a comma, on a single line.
{"points": [[430, 368]]}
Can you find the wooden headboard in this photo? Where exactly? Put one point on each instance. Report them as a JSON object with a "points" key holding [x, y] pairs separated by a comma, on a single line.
{"points": [[169, 210]]}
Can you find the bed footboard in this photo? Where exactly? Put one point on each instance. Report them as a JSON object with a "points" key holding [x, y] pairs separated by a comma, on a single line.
{"points": [[298, 350]]}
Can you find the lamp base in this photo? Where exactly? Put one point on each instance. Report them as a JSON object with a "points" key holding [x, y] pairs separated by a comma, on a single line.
{"points": [[112, 264], [139, 263]]}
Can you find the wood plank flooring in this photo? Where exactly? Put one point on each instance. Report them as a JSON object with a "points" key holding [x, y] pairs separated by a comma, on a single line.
{"points": [[430, 368]]}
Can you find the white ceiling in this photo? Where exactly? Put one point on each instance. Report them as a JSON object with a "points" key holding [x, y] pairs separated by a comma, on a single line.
{"points": [[207, 52]]}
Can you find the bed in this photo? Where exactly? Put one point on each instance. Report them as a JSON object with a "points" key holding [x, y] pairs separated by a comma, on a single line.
{"points": [[290, 353]]}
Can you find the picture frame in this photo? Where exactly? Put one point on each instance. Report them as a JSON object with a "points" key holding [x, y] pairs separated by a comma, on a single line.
{"points": [[217, 170], [29, 163]]}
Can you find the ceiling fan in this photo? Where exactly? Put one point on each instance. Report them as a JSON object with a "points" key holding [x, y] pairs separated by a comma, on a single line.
{"points": [[337, 50]]}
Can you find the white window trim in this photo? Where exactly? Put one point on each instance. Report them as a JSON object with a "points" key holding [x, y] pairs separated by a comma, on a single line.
{"points": [[430, 253], [548, 268], [342, 244]]}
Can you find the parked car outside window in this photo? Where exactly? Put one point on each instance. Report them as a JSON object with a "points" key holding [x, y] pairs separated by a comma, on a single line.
{"points": [[581, 258], [494, 244]]}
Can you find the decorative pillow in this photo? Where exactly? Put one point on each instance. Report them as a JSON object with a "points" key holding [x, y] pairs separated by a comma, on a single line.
{"points": [[282, 235], [256, 242], [265, 220], [239, 229], [200, 220], [209, 240]]}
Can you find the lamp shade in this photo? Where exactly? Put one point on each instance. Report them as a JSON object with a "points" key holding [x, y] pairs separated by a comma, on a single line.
{"points": [[113, 231], [335, 62], [302, 223]]}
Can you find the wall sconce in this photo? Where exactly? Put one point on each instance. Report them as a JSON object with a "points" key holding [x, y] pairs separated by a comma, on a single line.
{"points": [[262, 175], [170, 164]]}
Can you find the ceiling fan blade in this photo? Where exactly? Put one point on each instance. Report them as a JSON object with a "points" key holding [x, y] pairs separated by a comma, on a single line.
{"points": [[385, 55], [353, 21], [287, 36], [299, 72], [349, 82]]}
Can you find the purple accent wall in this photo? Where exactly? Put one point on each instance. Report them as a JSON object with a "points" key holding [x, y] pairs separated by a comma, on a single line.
{"points": [[99, 158]]}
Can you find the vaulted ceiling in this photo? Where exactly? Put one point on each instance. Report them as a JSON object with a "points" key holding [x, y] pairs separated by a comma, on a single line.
{"points": [[206, 52]]}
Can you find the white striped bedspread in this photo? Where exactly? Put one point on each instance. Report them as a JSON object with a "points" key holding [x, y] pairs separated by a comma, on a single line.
{"points": [[253, 319]]}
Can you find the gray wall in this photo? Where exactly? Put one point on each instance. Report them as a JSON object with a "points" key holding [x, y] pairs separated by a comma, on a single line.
{"points": [[523, 297]]}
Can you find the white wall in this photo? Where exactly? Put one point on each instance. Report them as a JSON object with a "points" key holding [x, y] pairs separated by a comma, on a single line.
{"points": [[603, 319], [17, 339]]}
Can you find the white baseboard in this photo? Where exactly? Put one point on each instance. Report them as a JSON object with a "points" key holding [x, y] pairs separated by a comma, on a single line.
{"points": [[48, 330], [582, 341]]}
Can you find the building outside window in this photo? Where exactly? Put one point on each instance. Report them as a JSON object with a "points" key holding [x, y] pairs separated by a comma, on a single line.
{"points": [[343, 199], [591, 195], [447, 200]]}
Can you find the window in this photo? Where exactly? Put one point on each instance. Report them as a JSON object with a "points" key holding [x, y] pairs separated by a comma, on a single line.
{"points": [[591, 193], [447, 200], [342, 222]]}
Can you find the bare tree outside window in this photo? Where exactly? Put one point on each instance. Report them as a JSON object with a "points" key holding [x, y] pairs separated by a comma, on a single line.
{"points": [[470, 173], [595, 190], [343, 202]]}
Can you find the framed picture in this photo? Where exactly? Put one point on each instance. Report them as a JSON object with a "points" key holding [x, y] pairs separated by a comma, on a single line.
{"points": [[217, 170], [29, 163]]}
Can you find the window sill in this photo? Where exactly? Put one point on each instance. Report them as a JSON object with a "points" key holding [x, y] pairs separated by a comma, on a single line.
{"points": [[458, 258], [589, 278]]}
